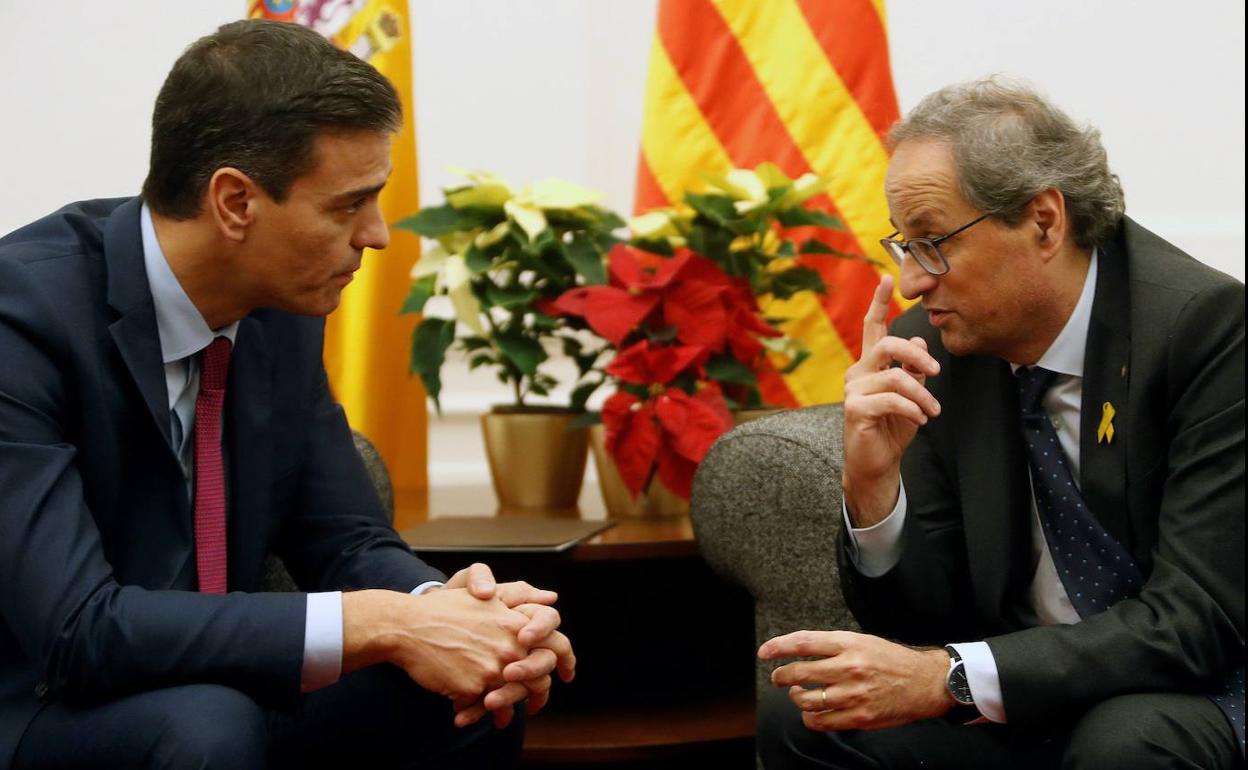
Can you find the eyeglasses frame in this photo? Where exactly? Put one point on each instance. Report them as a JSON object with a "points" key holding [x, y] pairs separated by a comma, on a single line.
{"points": [[891, 241]]}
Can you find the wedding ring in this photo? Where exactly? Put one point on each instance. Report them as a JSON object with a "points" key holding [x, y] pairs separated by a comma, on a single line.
{"points": [[824, 693]]}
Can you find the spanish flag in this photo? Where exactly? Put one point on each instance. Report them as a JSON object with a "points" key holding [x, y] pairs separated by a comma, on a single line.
{"points": [[804, 84], [366, 340]]}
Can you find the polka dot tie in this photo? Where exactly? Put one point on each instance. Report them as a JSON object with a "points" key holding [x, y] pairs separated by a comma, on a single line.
{"points": [[209, 468], [1096, 570]]}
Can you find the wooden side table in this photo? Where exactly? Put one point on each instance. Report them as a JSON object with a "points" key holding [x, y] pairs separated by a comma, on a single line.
{"points": [[665, 648]]}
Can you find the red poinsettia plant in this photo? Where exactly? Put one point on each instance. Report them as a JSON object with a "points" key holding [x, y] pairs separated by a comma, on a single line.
{"points": [[680, 308], [680, 327]]}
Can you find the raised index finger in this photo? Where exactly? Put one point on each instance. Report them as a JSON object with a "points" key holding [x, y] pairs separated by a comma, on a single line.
{"points": [[875, 322]]}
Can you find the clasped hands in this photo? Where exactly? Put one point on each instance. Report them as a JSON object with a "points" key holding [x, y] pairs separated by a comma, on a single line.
{"points": [[484, 645], [545, 648]]}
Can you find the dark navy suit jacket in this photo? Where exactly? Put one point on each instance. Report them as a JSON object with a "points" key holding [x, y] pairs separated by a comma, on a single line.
{"points": [[97, 568]]}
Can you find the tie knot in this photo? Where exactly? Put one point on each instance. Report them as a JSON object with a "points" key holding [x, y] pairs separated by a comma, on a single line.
{"points": [[214, 364], [1033, 383]]}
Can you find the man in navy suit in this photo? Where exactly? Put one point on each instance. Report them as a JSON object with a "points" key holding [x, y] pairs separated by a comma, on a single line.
{"points": [[137, 511], [1043, 475]]}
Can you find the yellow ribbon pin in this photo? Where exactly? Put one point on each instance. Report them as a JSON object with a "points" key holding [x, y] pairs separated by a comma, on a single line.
{"points": [[1105, 431]]}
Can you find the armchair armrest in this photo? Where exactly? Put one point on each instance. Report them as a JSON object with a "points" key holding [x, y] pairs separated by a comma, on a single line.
{"points": [[767, 515]]}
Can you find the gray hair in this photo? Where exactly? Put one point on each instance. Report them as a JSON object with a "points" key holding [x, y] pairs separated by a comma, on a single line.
{"points": [[1009, 143]]}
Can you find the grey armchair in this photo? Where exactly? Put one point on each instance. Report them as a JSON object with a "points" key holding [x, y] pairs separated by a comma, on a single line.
{"points": [[767, 514]]}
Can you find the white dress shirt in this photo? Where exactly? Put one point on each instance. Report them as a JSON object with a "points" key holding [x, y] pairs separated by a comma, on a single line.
{"points": [[183, 333], [875, 550]]}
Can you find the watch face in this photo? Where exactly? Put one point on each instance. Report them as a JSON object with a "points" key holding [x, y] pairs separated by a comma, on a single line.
{"points": [[958, 686]]}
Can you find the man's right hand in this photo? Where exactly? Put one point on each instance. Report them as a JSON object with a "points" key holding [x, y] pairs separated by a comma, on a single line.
{"points": [[448, 641], [884, 407]]}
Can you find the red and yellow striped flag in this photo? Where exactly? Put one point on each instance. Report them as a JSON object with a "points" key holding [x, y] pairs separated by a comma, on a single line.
{"points": [[806, 85], [366, 340]]}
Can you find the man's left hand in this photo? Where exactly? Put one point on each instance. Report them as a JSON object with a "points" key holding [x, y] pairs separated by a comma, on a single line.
{"points": [[529, 678], [862, 682]]}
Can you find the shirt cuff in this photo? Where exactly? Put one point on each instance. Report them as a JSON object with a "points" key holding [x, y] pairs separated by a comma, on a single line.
{"points": [[983, 679], [425, 586], [322, 641], [876, 549]]}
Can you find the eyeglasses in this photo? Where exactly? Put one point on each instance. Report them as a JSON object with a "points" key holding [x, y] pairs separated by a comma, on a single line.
{"points": [[926, 251]]}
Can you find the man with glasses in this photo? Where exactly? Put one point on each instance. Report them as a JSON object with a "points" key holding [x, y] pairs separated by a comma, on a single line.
{"points": [[1043, 475]]}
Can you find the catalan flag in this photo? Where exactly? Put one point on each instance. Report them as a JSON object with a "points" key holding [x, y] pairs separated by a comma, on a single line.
{"points": [[366, 340], [804, 84]]}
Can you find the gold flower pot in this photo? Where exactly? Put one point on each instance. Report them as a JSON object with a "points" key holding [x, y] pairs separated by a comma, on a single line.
{"points": [[536, 463], [654, 500]]}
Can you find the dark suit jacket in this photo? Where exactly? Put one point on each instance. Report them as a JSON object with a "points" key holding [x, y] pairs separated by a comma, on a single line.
{"points": [[1166, 348], [97, 568]]}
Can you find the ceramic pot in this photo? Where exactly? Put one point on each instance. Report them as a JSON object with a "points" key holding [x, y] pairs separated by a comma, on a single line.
{"points": [[536, 463]]}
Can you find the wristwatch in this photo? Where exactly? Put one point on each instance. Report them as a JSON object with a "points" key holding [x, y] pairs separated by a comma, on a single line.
{"points": [[959, 688]]}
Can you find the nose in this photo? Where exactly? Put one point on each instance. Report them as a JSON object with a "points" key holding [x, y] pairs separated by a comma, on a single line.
{"points": [[914, 280], [371, 231]]}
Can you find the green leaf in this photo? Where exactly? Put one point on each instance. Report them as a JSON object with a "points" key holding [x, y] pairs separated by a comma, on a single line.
{"points": [[585, 420], [585, 362], [477, 260], [582, 392], [474, 343], [717, 208], [525, 353], [429, 344], [439, 220], [510, 296], [571, 346], [814, 246], [479, 360], [799, 217], [723, 368], [655, 246], [798, 279], [419, 294], [801, 356], [713, 242], [543, 323], [666, 334], [587, 260], [786, 249]]}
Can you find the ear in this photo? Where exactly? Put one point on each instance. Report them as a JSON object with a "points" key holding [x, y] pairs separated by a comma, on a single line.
{"points": [[1047, 217], [231, 199]]}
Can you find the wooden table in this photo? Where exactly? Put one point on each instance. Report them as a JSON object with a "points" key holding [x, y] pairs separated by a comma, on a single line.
{"points": [[665, 648]]}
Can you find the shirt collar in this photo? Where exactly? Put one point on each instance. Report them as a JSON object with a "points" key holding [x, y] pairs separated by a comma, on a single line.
{"points": [[183, 331], [1065, 355]]}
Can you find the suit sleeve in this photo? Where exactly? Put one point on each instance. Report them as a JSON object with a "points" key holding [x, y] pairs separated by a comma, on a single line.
{"points": [[338, 537], [85, 635], [1185, 631], [924, 599]]}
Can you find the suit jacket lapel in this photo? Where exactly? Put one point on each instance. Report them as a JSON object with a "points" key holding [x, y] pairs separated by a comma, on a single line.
{"points": [[129, 294], [990, 461], [1106, 377]]}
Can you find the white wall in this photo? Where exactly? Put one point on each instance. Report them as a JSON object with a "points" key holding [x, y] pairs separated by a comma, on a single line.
{"points": [[537, 88]]}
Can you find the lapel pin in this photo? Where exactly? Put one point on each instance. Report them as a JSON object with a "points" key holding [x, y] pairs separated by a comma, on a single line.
{"points": [[1105, 431]]}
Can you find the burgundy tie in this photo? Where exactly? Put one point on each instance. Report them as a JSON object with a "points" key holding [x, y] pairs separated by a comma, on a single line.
{"points": [[214, 365]]}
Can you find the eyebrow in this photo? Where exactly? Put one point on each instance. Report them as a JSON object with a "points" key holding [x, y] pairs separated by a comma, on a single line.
{"points": [[919, 220], [361, 192]]}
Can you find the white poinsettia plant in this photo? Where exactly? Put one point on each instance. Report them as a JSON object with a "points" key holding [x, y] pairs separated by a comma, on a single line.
{"points": [[501, 255]]}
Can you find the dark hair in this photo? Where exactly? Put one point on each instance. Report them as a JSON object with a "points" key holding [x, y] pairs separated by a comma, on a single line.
{"points": [[255, 95]]}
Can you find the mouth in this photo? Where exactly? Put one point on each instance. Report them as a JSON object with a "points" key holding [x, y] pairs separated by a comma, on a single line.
{"points": [[937, 316], [346, 276]]}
